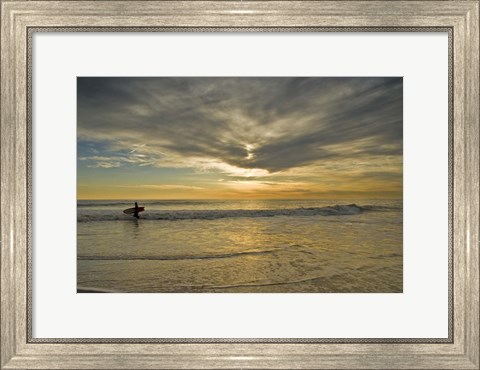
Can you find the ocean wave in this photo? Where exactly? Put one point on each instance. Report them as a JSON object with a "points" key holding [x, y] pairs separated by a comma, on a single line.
{"points": [[175, 258], [256, 283], [176, 215]]}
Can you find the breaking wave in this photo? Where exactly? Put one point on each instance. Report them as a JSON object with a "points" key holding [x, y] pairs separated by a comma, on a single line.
{"points": [[177, 215]]}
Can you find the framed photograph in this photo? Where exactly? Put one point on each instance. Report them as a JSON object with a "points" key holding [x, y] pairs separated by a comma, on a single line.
{"points": [[213, 184], [224, 173]]}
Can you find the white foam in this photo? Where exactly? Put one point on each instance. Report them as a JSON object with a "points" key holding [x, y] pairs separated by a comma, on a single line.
{"points": [[88, 215]]}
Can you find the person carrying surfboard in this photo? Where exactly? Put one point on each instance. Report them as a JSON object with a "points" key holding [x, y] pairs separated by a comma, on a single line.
{"points": [[134, 210], [137, 209]]}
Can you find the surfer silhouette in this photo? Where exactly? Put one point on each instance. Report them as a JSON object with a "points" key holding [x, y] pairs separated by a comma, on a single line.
{"points": [[134, 211], [137, 209]]}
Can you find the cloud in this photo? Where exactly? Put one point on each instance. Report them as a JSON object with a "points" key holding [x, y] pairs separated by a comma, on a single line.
{"points": [[105, 165], [162, 187], [246, 127], [136, 147]]}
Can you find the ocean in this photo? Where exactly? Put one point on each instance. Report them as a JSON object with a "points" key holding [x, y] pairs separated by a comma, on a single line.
{"points": [[236, 246]]}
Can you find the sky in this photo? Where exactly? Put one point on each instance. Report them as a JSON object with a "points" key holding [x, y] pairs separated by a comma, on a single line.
{"points": [[239, 137]]}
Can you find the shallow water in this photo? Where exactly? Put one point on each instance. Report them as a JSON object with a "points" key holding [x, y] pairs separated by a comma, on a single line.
{"points": [[241, 246]]}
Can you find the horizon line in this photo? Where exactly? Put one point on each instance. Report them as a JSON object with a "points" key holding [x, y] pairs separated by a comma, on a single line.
{"points": [[225, 199]]}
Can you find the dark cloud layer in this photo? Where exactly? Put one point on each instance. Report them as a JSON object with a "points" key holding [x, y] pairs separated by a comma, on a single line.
{"points": [[273, 124]]}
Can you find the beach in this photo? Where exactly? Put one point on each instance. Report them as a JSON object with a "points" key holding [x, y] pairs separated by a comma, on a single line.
{"points": [[255, 246]]}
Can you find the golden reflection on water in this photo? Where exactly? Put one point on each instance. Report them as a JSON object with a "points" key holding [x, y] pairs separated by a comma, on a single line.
{"points": [[358, 253]]}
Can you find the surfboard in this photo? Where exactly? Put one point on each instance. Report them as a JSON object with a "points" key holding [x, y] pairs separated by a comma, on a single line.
{"points": [[131, 211]]}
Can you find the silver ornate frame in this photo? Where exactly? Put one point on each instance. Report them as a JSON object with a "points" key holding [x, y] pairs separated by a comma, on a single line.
{"points": [[21, 19]]}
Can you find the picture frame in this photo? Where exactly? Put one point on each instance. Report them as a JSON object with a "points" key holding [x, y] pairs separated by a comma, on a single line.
{"points": [[20, 19]]}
